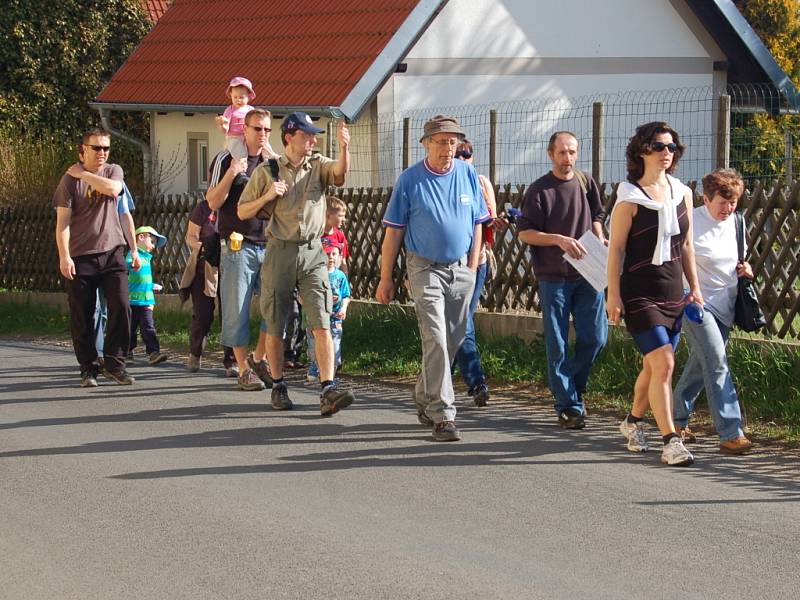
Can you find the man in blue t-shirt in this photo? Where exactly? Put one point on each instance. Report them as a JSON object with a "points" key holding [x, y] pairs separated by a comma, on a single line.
{"points": [[436, 209]]}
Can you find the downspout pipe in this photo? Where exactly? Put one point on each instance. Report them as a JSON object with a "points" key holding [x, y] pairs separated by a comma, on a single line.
{"points": [[147, 155]]}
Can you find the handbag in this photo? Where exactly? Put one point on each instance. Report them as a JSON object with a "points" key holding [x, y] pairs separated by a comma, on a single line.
{"points": [[747, 315]]}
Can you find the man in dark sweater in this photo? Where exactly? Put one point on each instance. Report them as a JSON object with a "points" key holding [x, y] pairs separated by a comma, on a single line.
{"points": [[557, 210]]}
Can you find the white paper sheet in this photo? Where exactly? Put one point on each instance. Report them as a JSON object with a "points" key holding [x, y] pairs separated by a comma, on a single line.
{"points": [[592, 266]]}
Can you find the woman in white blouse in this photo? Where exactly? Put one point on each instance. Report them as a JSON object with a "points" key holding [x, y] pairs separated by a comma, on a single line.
{"points": [[718, 269]]}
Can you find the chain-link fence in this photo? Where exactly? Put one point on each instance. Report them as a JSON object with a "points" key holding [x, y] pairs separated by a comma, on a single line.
{"points": [[731, 126]]}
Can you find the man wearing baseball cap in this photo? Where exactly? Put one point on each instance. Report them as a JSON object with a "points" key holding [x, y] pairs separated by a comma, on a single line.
{"points": [[294, 202], [436, 209]]}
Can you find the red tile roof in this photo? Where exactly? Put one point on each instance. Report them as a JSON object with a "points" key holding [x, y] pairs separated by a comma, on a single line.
{"points": [[156, 8], [297, 54]]}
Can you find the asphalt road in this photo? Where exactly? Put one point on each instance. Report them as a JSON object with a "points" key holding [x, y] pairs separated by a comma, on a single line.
{"points": [[182, 487]]}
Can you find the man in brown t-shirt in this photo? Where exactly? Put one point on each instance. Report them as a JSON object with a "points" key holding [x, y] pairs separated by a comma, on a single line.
{"points": [[91, 254], [557, 210]]}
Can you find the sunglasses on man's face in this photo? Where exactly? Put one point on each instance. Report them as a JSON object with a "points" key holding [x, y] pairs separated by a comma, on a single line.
{"points": [[465, 154], [260, 129], [97, 148], [659, 147]]}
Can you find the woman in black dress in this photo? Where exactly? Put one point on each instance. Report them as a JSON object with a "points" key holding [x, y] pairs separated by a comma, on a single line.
{"points": [[650, 252]]}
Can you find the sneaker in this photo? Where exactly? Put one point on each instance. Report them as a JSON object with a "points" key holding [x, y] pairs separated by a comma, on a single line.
{"points": [[480, 396], [121, 377], [89, 377], [156, 357], [280, 397], [571, 419], [739, 445], [636, 435], [312, 378], [333, 399], [423, 418], [446, 431], [261, 369], [675, 453], [193, 364], [250, 382], [687, 435], [232, 371]]}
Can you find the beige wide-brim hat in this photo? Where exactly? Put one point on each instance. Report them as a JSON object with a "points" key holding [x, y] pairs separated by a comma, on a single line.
{"points": [[442, 124]]}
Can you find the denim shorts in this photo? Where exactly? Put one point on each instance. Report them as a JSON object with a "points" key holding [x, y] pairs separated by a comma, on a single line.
{"points": [[654, 338], [240, 278]]}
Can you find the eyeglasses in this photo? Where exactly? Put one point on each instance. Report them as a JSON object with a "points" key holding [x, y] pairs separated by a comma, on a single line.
{"points": [[465, 154], [659, 147], [260, 129], [97, 148]]}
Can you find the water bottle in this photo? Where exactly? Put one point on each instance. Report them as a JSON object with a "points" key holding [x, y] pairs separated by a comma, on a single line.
{"points": [[513, 214], [694, 312]]}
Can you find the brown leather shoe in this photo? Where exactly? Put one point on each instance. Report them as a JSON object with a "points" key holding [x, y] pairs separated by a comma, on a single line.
{"points": [[738, 446], [687, 435]]}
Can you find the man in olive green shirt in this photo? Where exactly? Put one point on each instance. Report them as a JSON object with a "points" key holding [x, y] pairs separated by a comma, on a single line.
{"points": [[294, 203]]}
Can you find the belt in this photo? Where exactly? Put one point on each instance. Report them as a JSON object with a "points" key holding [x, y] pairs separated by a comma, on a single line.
{"points": [[461, 262], [224, 241], [310, 244]]}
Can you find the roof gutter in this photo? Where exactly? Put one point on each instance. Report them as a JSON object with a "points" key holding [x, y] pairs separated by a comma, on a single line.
{"points": [[315, 111], [147, 155]]}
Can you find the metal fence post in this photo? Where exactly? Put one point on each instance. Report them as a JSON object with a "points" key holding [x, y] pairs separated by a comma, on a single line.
{"points": [[406, 139], [788, 152], [493, 145], [723, 157], [598, 133], [329, 138]]}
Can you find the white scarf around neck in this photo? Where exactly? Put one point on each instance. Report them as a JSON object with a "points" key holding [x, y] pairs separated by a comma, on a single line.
{"points": [[667, 214]]}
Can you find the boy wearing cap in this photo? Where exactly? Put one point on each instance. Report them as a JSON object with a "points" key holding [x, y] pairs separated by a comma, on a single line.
{"points": [[340, 288], [436, 210], [140, 290], [295, 201]]}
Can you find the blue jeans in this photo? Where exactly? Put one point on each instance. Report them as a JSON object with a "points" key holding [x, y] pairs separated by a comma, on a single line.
{"points": [[708, 367], [240, 278], [467, 357], [336, 335], [100, 319], [567, 375]]}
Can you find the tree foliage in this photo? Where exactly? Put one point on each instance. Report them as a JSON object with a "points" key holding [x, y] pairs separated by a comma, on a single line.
{"points": [[758, 140], [777, 23], [57, 56]]}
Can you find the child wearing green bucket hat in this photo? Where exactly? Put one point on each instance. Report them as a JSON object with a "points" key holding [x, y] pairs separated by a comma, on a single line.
{"points": [[142, 298]]}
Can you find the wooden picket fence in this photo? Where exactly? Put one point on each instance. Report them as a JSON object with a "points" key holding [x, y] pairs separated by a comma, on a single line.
{"points": [[29, 261]]}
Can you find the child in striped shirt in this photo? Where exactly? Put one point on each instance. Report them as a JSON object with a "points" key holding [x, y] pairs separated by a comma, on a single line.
{"points": [[142, 298]]}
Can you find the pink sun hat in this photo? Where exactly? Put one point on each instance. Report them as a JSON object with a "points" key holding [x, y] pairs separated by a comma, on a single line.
{"points": [[242, 81]]}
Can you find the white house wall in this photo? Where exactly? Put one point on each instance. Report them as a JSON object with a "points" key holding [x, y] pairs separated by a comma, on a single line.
{"points": [[171, 133], [485, 52]]}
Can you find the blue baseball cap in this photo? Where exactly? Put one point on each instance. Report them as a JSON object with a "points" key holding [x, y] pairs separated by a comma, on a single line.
{"points": [[301, 121]]}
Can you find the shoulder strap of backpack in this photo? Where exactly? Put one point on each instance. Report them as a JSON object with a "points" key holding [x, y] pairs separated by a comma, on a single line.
{"points": [[274, 169], [583, 181]]}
